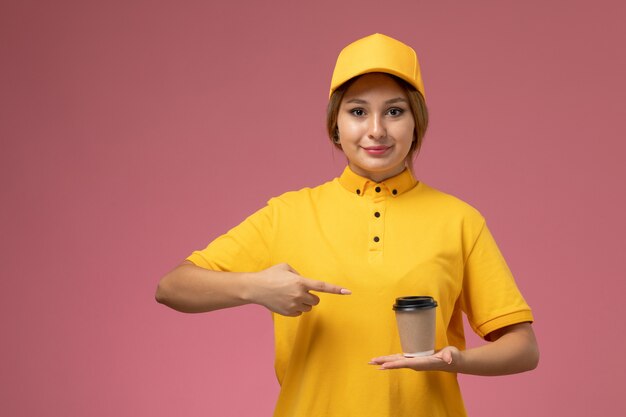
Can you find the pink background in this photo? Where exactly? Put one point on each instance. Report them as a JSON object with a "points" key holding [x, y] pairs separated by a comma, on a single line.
{"points": [[134, 132]]}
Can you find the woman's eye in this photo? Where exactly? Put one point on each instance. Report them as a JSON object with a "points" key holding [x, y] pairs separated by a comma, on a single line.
{"points": [[395, 112], [357, 112]]}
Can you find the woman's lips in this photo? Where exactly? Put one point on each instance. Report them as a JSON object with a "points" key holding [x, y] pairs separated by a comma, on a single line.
{"points": [[376, 150]]}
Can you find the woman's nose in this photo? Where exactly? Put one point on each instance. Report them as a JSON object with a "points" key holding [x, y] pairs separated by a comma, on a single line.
{"points": [[376, 128]]}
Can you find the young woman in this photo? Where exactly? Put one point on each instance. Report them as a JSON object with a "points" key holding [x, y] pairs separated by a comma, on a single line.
{"points": [[329, 262]]}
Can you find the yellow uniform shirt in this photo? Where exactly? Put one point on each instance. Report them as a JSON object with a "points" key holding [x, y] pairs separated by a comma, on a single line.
{"points": [[382, 241]]}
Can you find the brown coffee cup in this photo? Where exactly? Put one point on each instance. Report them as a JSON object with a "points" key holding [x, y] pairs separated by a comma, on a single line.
{"points": [[415, 316]]}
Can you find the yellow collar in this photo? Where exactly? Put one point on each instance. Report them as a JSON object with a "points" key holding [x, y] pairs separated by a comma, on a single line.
{"points": [[393, 186]]}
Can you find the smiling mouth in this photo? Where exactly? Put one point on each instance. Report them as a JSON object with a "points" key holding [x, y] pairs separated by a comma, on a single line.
{"points": [[376, 150]]}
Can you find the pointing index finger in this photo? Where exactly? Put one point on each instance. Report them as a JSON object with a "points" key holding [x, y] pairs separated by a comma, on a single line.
{"points": [[321, 286]]}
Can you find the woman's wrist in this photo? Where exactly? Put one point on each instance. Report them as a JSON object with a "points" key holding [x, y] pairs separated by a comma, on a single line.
{"points": [[247, 287]]}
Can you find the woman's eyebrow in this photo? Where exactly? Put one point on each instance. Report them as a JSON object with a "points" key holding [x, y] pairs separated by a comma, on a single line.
{"points": [[357, 101], [396, 100], [390, 101]]}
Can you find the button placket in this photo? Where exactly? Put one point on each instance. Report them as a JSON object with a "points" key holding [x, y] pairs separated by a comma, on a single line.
{"points": [[377, 224]]}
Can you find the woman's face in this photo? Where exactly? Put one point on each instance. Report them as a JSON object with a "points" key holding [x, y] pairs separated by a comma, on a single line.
{"points": [[376, 126]]}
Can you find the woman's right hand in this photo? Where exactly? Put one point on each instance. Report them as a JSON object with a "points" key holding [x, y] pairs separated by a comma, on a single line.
{"points": [[191, 289], [282, 290]]}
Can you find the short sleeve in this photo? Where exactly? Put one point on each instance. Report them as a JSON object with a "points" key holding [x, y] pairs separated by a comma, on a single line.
{"points": [[490, 297], [245, 248]]}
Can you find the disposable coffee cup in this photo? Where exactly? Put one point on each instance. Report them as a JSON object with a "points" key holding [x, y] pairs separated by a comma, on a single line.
{"points": [[415, 316]]}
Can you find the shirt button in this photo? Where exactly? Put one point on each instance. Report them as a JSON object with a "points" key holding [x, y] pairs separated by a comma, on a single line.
{"points": [[394, 192], [358, 191], [376, 238], [377, 189], [377, 214]]}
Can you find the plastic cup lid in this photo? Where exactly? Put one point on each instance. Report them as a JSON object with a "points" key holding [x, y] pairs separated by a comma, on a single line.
{"points": [[414, 302]]}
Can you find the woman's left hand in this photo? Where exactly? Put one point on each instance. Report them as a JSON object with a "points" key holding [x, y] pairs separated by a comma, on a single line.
{"points": [[445, 359], [513, 349]]}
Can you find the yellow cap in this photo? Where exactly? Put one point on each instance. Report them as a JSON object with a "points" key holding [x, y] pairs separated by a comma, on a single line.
{"points": [[377, 53]]}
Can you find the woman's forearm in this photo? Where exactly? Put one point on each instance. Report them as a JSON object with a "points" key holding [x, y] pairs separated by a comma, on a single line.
{"points": [[514, 350], [192, 289]]}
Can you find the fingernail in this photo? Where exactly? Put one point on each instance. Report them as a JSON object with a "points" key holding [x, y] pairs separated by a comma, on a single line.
{"points": [[345, 291]]}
